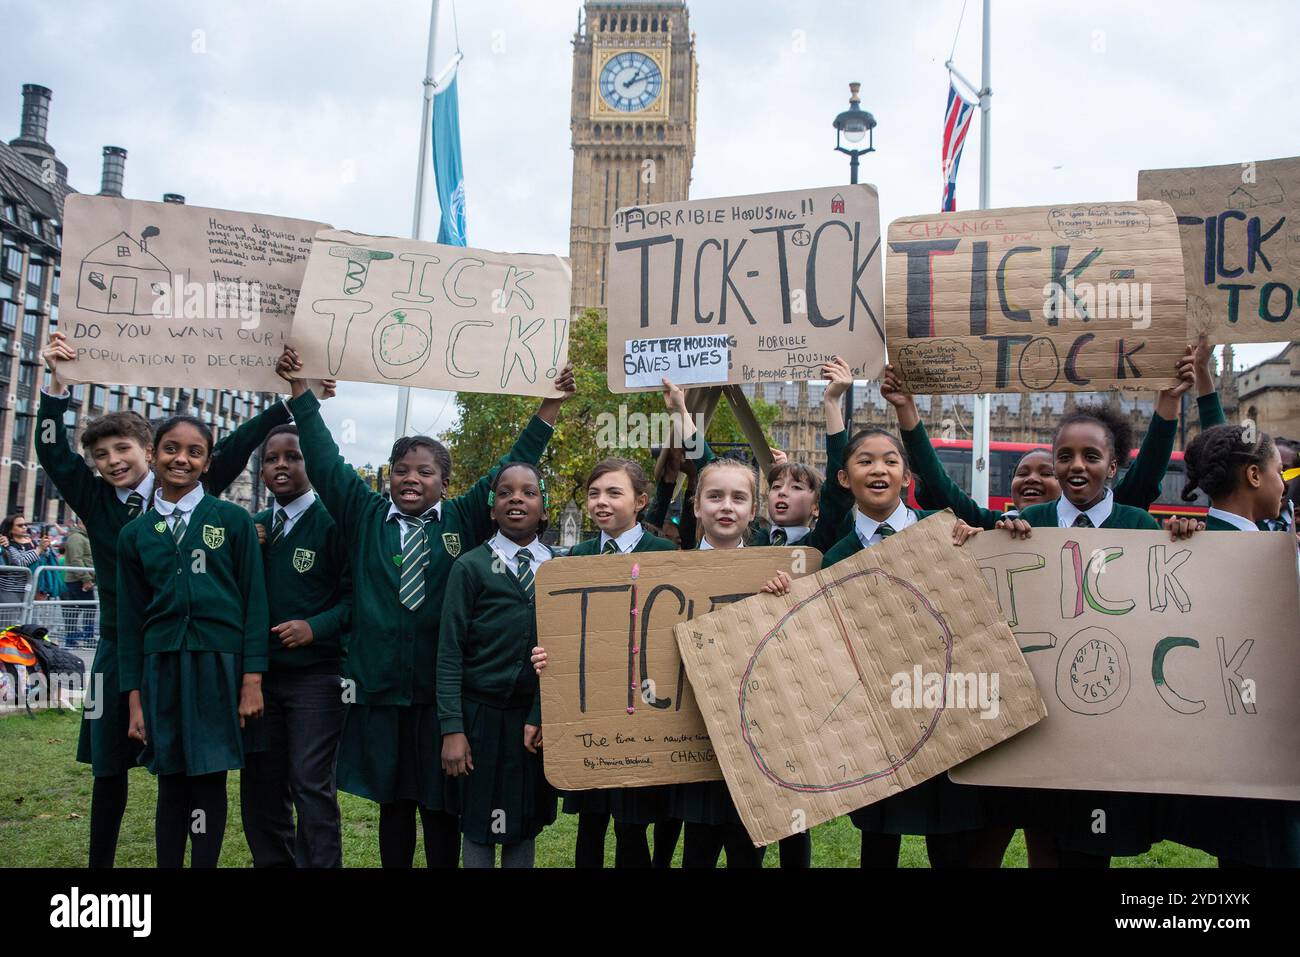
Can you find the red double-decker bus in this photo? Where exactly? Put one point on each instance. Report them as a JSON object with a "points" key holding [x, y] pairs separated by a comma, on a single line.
{"points": [[1004, 456]]}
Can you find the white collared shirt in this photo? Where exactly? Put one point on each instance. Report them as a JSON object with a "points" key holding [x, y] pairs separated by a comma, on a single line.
{"points": [[706, 545], [626, 541], [868, 528], [409, 527], [174, 512], [145, 488], [293, 511], [793, 533], [508, 551], [1066, 512], [1233, 519]]}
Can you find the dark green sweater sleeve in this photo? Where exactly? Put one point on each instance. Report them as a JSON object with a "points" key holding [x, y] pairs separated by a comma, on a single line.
{"points": [[132, 600], [252, 587], [68, 470], [835, 501], [1210, 410], [1140, 485], [230, 456], [340, 488], [944, 492], [473, 505], [453, 632]]}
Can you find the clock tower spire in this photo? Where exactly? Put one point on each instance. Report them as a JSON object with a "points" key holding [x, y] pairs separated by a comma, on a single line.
{"points": [[633, 124]]}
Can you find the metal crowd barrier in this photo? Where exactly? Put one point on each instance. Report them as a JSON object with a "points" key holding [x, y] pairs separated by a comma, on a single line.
{"points": [[73, 622]]}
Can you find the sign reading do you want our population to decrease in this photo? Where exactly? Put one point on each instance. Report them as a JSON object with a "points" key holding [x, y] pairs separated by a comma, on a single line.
{"points": [[164, 294], [1064, 298], [745, 289], [405, 312]]}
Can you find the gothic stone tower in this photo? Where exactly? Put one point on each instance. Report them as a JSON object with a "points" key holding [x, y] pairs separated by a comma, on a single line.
{"points": [[633, 122]]}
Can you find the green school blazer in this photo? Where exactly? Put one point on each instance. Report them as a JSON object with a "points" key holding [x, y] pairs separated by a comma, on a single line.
{"points": [[850, 544], [647, 543], [1043, 515], [392, 651], [206, 594]]}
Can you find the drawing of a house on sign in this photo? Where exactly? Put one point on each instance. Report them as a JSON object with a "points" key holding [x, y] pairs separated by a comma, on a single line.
{"points": [[121, 276], [837, 203]]}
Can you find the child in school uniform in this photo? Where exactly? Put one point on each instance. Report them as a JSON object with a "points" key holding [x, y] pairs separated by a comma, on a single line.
{"points": [[106, 497], [1242, 475], [877, 473], [308, 588], [617, 492], [401, 551], [489, 703], [192, 632]]}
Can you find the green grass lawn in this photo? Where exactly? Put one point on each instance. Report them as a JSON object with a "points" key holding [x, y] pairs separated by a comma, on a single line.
{"points": [[45, 816]]}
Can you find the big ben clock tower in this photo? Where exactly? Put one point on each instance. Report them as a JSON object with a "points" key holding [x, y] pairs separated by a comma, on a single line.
{"points": [[633, 122]]}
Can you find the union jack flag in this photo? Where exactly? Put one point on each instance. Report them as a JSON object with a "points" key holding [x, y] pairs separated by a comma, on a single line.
{"points": [[956, 123]]}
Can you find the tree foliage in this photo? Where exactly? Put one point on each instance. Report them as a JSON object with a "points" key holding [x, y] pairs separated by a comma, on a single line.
{"points": [[488, 424]]}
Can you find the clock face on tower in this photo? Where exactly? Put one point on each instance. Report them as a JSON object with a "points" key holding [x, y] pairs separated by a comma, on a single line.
{"points": [[630, 82]]}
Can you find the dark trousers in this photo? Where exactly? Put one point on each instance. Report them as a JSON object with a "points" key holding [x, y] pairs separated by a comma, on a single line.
{"points": [[705, 842], [304, 721]]}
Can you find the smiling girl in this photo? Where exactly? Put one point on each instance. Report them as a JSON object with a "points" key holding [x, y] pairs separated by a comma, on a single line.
{"points": [[192, 626]]}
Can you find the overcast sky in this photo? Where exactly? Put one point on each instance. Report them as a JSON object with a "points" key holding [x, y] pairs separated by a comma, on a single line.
{"points": [[312, 109]]}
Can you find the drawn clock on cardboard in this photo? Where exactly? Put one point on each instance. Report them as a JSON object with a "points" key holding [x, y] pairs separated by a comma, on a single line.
{"points": [[786, 746]]}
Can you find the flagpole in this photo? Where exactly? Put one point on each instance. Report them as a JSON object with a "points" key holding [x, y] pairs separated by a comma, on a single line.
{"points": [[980, 446], [426, 136]]}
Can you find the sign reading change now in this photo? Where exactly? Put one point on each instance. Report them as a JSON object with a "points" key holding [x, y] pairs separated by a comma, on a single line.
{"points": [[404, 312], [789, 279], [165, 294], [1063, 298], [1240, 226]]}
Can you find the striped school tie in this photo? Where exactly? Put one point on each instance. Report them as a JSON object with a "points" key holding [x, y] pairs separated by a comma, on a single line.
{"points": [[178, 529], [134, 504], [1083, 521], [884, 531], [277, 527], [415, 558], [525, 572], [611, 548], [779, 536]]}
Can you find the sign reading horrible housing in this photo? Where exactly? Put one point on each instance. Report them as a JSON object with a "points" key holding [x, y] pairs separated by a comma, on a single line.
{"points": [[1066, 298], [745, 289], [1169, 667], [164, 294], [405, 312], [1240, 227]]}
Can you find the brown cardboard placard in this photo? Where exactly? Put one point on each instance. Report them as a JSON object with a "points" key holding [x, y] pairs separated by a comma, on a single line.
{"points": [[1169, 667], [614, 678], [405, 312], [808, 697], [1062, 298], [165, 294], [1243, 282], [745, 289]]}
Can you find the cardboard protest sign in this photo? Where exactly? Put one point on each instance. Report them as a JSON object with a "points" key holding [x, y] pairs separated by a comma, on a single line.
{"points": [[404, 312], [1240, 226], [164, 294], [1066, 298], [745, 288], [616, 706], [1169, 667], [868, 678]]}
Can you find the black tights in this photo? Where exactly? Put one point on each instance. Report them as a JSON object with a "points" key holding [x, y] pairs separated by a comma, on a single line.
{"points": [[704, 842], [397, 836], [193, 809], [630, 847], [107, 805], [981, 847]]}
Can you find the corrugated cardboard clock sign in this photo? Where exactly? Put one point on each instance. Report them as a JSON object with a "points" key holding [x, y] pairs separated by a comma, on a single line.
{"points": [[1156, 683], [1063, 298], [1240, 227], [616, 705], [870, 677], [746, 289]]}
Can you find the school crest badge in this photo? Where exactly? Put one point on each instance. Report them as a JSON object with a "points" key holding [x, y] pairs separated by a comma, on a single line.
{"points": [[451, 542], [160, 527], [213, 536], [303, 559]]}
